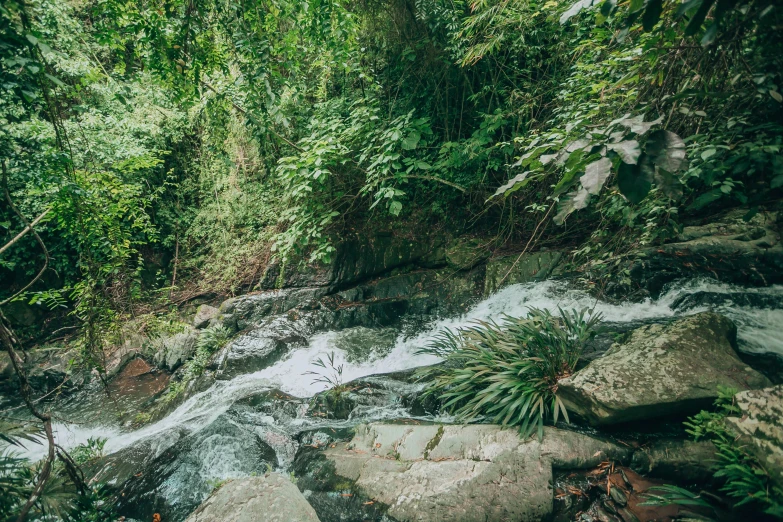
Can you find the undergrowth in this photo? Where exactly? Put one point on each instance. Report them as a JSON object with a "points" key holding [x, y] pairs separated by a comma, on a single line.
{"points": [[508, 373], [743, 477]]}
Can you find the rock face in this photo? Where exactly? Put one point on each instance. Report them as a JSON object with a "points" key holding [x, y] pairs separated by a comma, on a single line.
{"points": [[465, 253], [513, 269], [661, 370], [730, 249], [683, 461], [204, 315], [460, 473], [271, 498], [761, 427], [172, 352], [357, 259]]}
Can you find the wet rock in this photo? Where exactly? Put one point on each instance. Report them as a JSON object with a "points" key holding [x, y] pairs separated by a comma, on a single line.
{"points": [[172, 352], [414, 295], [47, 368], [683, 461], [760, 427], [360, 397], [661, 370], [356, 259], [464, 253], [731, 249], [513, 269], [205, 315], [270, 498], [239, 313], [437, 472], [174, 474]]}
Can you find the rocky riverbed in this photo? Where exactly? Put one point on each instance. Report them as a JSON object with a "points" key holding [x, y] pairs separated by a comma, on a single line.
{"points": [[376, 449]]}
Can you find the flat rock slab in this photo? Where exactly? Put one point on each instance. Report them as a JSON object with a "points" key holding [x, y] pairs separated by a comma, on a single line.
{"points": [[661, 370], [463, 473], [271, 498], [761, 427]]}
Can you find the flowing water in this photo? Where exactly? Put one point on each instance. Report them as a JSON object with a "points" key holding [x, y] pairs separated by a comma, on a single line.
{"points": [[210, 431]]}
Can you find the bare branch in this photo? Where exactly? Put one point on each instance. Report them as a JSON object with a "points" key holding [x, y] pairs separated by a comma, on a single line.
{"points": [[28, 227]]}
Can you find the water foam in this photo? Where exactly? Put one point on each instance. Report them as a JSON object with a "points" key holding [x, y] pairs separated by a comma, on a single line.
{"points": [[759, 331]]}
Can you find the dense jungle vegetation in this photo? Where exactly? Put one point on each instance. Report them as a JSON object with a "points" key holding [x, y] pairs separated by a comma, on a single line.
{"points": [[159, 149]]}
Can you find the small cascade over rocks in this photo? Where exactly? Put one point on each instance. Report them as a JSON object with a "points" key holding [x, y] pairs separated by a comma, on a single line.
{"points": [[259, 405]]}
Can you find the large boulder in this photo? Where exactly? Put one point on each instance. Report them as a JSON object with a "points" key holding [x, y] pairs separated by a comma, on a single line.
{"points": [[270, 498], [205, 315], [760, 427], [661, 370], [172, 352], [461, 473], [259, 348]]}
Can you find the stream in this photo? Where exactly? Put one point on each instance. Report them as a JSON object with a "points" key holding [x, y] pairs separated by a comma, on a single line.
{"points": [[255, 421]]}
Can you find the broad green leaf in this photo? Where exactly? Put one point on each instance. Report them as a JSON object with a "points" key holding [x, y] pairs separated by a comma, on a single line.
{"points": [[705, 199], [635, 181], [637, 125], [411, 141], [652, 14], [514, 184], [596, 174], [575, 9], [628, 150], [667, 150]]}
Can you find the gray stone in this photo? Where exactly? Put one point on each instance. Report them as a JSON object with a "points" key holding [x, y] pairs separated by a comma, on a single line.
{"points": [[761, 427], [464, 253], [729, 249], [509, 270], [463, 473], [684, 461], [661, 370], [204, 315], [248, 310], [354, 260], [271, 498], [172, 352]]}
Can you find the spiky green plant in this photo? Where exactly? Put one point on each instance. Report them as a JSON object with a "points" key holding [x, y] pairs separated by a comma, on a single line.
{"points": [[508, 372]]}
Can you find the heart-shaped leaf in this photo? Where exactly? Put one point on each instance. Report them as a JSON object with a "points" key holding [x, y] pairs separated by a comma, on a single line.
{"points": [[628, 150], [596, 174], [667, 150], [635, 181]]}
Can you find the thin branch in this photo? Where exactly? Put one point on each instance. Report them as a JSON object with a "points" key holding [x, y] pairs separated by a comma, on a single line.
{"points": [[29, 226], [24, 231], [532, 237], [428, 178], [8, 339]]}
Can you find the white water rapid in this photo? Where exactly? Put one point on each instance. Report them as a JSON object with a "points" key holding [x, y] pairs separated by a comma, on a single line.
{"points": [[757, 312]]}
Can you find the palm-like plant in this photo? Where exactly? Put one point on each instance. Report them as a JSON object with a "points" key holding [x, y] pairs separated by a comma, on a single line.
{"points": [[508, 372]]}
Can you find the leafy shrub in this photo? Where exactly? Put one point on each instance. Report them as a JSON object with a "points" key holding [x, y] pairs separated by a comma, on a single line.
{"points": [[743, 477], [209, 341], [92, 449], [508, 372]]}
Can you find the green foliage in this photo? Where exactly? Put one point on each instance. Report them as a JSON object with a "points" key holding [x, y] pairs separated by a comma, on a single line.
{"points": [[209, 341], [61, 499], [90, 450], [332, 377], [742, 475], [508, 373], [666, 494]]}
